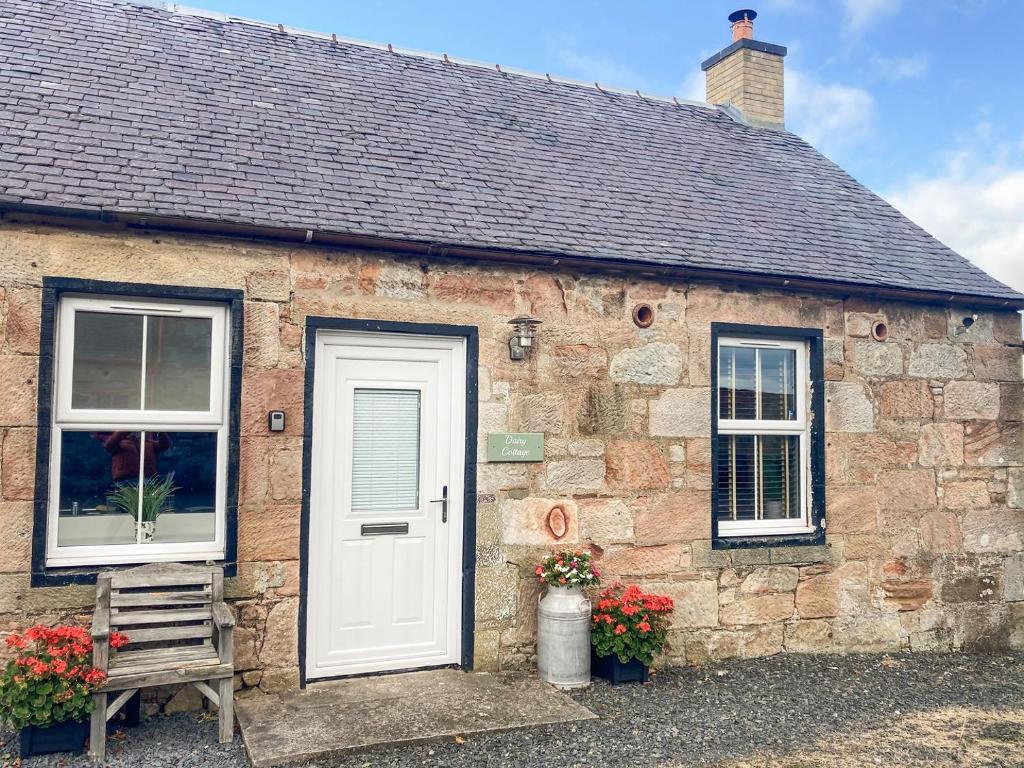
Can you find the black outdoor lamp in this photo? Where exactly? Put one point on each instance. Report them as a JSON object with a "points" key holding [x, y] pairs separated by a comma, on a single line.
{"points": [[522, 337]]}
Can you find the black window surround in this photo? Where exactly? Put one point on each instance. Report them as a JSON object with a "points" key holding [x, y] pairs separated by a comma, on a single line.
{"points": [[814, 339], [53, 289]]}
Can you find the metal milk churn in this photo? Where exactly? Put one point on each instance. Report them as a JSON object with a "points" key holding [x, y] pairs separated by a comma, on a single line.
{"points": [[563, 637]]}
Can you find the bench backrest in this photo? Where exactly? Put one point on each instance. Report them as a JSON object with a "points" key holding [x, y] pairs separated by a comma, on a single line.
{"points": [[162, 604]]}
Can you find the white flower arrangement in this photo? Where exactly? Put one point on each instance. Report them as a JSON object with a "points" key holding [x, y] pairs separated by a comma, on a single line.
{"points": [[568, 568]]}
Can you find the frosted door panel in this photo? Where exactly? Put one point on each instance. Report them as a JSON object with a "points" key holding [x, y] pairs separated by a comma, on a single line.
{"points": [[385, 450]]}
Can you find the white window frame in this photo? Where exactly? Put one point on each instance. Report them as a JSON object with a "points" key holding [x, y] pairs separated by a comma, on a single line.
{"points": [[66, 418], [799, 427]]}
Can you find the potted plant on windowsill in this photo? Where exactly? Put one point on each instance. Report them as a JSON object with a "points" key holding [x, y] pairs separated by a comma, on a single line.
{"points": [[629, 626], [157, 496], [46, 689]]}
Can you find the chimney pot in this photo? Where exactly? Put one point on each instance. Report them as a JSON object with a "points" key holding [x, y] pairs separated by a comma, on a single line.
{"points": [[742, 24], [748, 74]]}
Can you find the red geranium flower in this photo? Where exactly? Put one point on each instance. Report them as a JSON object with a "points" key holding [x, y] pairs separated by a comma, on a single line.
{"points": [[630, 623], [54, 667]]}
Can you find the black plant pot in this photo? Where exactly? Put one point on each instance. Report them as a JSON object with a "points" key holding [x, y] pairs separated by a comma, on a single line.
{"points": [[614, 671], [68, 736]]}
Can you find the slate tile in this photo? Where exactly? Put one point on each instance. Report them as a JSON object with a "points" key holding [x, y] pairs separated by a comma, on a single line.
{"points": [[116, 105]]}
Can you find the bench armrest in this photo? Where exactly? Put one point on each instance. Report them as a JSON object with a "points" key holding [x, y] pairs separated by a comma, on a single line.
{"points": [[222, 617], [100, 629]]}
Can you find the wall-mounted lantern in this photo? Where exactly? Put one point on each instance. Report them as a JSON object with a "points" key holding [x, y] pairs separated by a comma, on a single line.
{"points": [[525, 329]]}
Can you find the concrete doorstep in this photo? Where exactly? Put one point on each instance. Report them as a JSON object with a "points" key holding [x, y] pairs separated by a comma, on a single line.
{"points": [[359, 714]]}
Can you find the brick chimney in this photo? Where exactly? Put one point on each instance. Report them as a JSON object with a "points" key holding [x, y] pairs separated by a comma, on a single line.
{"points": [[748, 74]]}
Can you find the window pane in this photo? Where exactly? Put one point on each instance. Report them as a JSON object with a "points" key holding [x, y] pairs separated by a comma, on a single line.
{"points": [[736, 486], [778, 384], [780, 476], [178, 355], [759, 477], [180, 497], [96, 469], [100, 502], [737, 376], [107, 361], [385, 449]]}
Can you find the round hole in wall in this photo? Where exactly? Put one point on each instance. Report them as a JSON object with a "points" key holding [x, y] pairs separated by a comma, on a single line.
{"points": [[879, 330], [643, 315], [967, 322]]}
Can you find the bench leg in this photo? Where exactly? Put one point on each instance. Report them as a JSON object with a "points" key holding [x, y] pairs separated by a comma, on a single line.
{"points": [[133, 710], [98, 728], [226, 694]]}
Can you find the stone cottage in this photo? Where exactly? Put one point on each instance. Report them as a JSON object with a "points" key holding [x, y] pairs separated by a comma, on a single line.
{"points": [[281, 286]]}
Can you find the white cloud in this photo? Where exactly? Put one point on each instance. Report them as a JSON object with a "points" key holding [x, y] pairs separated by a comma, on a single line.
{"points": [[598, 68], [975, 205], [831, 116], [607, 71], [901, 68], [694, 87], [860, 14]]}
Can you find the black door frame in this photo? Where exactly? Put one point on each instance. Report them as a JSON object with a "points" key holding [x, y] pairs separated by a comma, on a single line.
{"points": [[471, 335]]}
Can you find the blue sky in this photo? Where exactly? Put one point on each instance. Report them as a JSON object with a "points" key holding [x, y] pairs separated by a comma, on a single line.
{"points": [[923, 102]]}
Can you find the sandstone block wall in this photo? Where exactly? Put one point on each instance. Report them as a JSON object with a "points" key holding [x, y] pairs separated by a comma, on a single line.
{"points": [[925, 474]]}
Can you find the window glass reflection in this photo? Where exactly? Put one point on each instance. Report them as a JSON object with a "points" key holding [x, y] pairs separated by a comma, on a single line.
{"points": [[89, 479], [107, 370], [779, 476], [778, 384], [104, 499], [737, 383], [178, 362], [189, 465], [737, 483], [107, 365]]}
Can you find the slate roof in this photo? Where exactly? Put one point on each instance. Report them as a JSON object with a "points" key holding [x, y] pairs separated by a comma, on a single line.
{"points": [[132, 108]]}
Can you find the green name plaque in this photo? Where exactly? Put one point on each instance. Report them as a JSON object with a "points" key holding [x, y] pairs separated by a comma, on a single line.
{"points": [[515, 446]]}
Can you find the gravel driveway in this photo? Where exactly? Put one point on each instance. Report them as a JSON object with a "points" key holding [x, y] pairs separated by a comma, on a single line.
{"points": [[780, 712]]}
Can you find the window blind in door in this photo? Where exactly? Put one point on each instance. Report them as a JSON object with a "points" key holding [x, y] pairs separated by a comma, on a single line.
{"points": [[385, 450]]}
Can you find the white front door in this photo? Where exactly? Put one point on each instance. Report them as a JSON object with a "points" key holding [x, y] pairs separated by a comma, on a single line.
{"points": [[385, 552]]}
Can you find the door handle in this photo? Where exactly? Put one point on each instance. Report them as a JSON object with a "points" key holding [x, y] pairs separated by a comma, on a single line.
{"points": [[443, 501]]}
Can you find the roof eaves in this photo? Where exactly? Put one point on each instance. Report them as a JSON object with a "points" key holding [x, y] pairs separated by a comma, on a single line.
{"points": [[599, 262]]}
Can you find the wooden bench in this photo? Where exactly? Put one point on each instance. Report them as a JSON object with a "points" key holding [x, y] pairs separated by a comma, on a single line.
{"points": [[179, 630]]}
